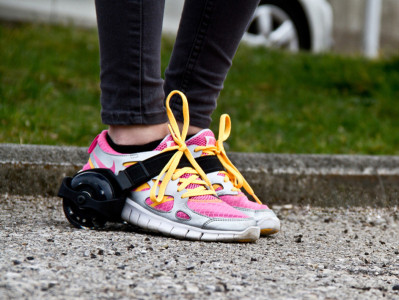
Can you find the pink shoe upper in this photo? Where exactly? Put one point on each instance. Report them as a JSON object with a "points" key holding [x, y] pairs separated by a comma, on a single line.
{"points": [[231, 197], [207, 205]]}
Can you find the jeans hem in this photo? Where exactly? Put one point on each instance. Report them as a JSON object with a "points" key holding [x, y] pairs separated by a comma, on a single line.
{"points": [[128, 118]]}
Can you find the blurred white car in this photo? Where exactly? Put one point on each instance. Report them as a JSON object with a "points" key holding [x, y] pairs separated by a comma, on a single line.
{"points": [[292, 24], [288, 24]]}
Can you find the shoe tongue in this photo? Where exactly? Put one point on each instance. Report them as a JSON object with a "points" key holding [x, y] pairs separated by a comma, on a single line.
{"points": [[166, 143], [192, 186], [203, 138]]}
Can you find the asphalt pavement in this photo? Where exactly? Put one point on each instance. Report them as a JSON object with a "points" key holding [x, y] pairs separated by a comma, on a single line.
{"points": [[320, 253]]}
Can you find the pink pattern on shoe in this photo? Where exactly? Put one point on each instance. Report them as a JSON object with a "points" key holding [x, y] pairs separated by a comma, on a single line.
{"points": [[182, 215], [206, 138], [101, 165], [86, 167], [165, 206], [93, 144], [166, 143], [242, 201], [217, 209]]}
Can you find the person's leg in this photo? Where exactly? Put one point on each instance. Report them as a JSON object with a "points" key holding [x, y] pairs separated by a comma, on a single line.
{"points": [[208, 37], [131, 84], [162, 194], [209, 34]]}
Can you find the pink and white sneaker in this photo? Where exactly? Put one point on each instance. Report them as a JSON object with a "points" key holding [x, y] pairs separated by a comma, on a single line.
{"points": [[179, 201], [226, 179]]}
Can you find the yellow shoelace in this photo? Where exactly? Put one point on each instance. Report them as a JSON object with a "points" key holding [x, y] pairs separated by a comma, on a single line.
{"points": [[232, 173], [170, 170]]}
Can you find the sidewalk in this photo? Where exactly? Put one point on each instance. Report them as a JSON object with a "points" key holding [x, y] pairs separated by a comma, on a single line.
{"points": [[319, 180], [346, 253]]}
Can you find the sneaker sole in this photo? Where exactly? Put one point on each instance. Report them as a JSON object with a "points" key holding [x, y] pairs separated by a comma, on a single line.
{"points": [[268, 231], [139, 216]]}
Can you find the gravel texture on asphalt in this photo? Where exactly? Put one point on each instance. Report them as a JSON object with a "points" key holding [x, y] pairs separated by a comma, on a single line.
{"points": [[319, 254]]}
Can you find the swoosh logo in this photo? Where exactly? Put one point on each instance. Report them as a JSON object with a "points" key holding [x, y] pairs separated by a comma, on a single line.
{"points": [[101, 165]]}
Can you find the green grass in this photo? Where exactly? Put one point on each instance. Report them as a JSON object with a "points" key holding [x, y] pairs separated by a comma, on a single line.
{"points": [[278, 102]]}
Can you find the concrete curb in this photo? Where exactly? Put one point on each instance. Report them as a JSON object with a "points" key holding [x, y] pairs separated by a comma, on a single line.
{"points": [[322, 180]]}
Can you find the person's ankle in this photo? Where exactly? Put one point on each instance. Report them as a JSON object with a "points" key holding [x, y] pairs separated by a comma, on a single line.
{"points": [[137, 134], [192, 130]]}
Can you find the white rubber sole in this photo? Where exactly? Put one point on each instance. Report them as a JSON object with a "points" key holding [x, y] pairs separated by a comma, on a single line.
{"points": [[269, 226], [134, 214]]}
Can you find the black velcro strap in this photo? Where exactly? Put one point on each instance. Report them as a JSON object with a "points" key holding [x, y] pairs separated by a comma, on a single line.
{"points": [[210, 163], [143, 171]]}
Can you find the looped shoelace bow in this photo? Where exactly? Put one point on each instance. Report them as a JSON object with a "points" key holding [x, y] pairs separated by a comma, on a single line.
{"points": [[170, 168], [232, 172]]}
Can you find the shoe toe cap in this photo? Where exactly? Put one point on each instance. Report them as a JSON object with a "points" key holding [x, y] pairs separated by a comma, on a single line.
{"points": [[268, 222]]}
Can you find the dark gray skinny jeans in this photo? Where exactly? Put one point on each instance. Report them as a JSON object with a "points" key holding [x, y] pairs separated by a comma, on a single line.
{"points": [[132, 88]]}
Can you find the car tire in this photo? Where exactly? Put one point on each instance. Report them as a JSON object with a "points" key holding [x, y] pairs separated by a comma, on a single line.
{"points": [[291, 9]]}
